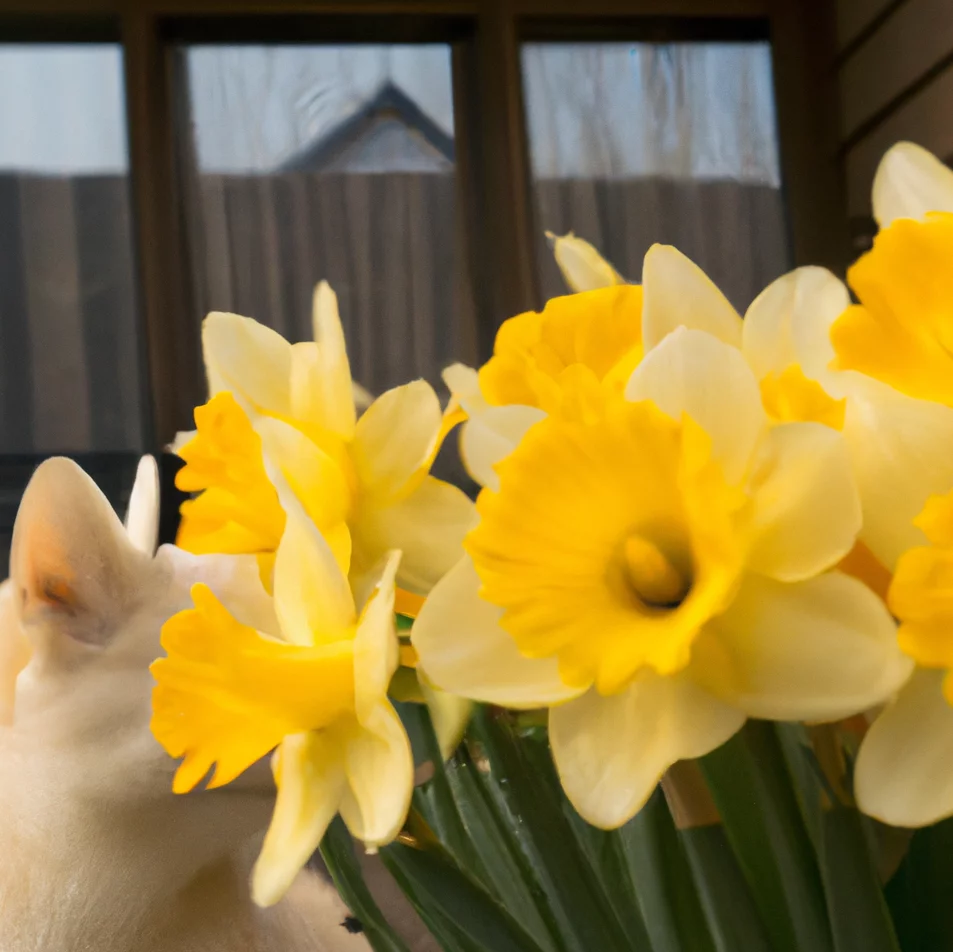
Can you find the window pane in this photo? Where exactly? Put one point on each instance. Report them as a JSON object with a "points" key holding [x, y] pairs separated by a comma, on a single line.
{"points": [[69, 351], [337, 163], [633, 143]]}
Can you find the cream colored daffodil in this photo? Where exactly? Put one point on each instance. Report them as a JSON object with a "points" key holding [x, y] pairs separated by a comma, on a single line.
{"points": [[656, 570], [885, 356], [313, 689], [283, 411]]}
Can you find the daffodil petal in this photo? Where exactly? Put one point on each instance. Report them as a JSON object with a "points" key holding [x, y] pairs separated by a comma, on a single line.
{"points": [[900, 451], [250, 360], [491, 436], [428, 526], [817, 650], [582, 267], [677, 293], [375, 643], [449, 715], [464, 651], [902, 775], [611, 751], [380, 776], [311, 782], [395, 437], [334, 370], [312, 475], [312, 598], [910, 182], [694, 373], [789, 323], [806, 512]]}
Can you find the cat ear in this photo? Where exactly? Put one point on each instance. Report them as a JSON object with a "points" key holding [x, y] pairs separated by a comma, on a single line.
{"points": [[142, 516], [74, 568]]}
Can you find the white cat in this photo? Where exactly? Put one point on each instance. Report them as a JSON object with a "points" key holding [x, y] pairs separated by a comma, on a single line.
{"points": [[96, 853]]}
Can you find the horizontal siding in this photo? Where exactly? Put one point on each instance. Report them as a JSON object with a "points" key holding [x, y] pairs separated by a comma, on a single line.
{"points": [[906, 46], [926, 119]]}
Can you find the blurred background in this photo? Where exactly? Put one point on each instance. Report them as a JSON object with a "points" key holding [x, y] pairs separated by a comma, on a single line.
{"points": [[159, 160]]}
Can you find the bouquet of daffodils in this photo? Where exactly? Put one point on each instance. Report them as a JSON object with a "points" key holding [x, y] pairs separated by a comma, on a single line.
{"points": [[676, 681]]}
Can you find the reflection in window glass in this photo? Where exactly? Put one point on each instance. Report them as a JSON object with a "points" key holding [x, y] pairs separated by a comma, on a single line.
{"points": [[69, 358], [633, 143], [337, 163]]}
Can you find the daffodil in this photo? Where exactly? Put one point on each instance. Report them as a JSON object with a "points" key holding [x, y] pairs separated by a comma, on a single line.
{"points": [[885, 357], [657, 569], [285, 414], [561, 360], [313, 690], [903, 774]]}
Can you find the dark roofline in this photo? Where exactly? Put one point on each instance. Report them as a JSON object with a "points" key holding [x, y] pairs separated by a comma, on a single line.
{"points": [[389, 98]]}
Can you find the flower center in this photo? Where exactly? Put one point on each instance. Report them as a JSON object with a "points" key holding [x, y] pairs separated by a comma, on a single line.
{"points": [[651, 575]]}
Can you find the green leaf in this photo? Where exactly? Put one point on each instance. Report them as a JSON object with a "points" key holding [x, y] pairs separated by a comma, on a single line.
{"points": [[663, 881], [531, 806], [512, 881], [454, 902], [860, 917], [753, 792], [920, 894], [337, 850], [729, 907]]}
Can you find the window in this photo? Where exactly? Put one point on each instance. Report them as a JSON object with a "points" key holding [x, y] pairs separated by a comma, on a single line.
{"points": [[69, 349], [337, 163], [633, 143]]}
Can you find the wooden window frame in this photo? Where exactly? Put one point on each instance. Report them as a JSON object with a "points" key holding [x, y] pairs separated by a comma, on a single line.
{"points": [[493, 161]]}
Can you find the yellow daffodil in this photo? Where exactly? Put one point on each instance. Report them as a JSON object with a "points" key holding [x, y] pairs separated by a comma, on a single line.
{"points": [[313, 689], [283, 413], [656, 570], [560, 360], [889, 354]]}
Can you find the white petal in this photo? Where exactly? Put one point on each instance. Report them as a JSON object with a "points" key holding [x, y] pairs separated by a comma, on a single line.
{"points": [[789, 323], [376, 651], [817, 650], [428, 526], [903, 773], [910, 182], [677, 293], [380, 775], [464, 651], [142, 516], [582, 267], [464, 383], [311, 783], [692, 372], [806, 512], [312, 597], [611, 752], [395, 438], [900, 452], [491, 436], [248, 359]]}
